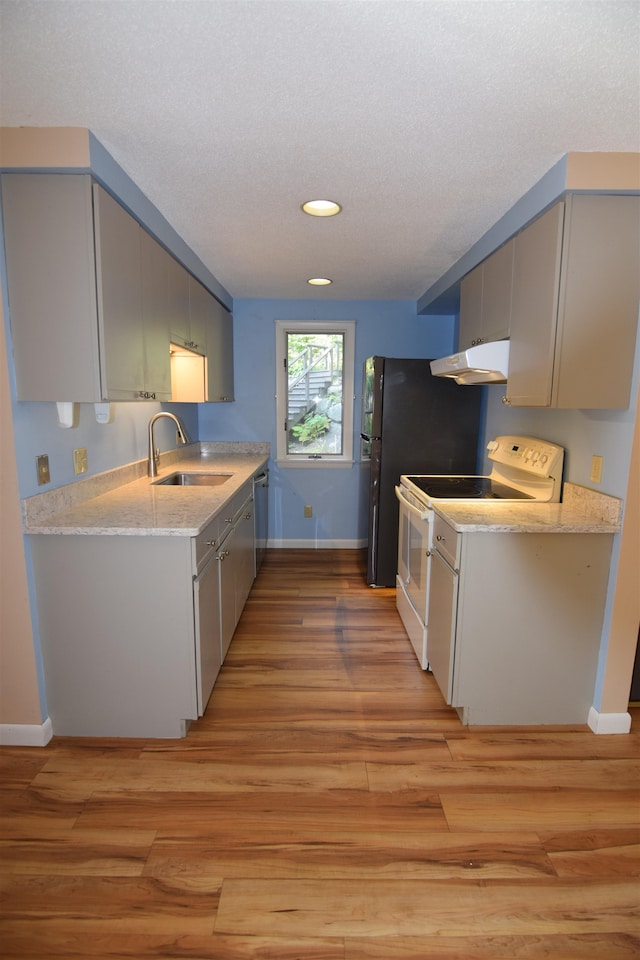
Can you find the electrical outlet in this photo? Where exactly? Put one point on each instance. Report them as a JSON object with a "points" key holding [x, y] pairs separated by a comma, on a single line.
{"points": [[596, 469], [42, 469], [308, 510], [80, 462]]}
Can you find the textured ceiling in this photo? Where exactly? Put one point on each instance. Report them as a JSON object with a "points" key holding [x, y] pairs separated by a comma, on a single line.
{"points": [[427, 120]]}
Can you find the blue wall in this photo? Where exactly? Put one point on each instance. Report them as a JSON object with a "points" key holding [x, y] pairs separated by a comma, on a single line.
{"points": [[385, 328]]}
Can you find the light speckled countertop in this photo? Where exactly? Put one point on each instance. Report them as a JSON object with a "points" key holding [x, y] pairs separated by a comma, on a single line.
{"points": [[582, 511], [125, 502]]}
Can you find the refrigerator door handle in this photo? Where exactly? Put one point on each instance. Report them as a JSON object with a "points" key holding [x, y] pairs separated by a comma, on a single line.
{"points": [[364, 436]]}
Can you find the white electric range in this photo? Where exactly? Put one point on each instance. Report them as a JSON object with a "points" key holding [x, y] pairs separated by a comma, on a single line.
{"points": [[525, 469]]}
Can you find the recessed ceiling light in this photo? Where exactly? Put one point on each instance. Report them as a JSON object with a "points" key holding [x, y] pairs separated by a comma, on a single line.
{"points": [[321, 208], [319, 281]]}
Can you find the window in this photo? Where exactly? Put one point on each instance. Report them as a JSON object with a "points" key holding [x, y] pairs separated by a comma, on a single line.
{"points": [[314, 392]]}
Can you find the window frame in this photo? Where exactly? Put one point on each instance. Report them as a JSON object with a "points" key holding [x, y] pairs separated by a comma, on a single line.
{"points": [[348, 329]]}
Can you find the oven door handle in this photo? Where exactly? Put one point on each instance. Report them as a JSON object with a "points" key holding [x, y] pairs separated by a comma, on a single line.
{"points": [[421, 514]]}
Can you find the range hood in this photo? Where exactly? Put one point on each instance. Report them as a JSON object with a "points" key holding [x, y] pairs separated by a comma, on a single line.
{"points": [[484, 363]]}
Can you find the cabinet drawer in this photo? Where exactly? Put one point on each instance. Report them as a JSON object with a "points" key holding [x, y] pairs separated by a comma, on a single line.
{"points": [[447, 542], [206, 542]]}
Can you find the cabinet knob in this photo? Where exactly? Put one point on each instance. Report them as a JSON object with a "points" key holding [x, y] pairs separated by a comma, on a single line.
{"points": [[209, 543], [506, 401], [440, 538]]}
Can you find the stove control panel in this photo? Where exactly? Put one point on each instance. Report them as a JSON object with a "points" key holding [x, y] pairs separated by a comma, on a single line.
{"points": [[529, 454]]}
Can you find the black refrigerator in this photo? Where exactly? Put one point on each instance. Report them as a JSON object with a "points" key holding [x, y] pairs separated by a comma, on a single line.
{"points": [[412, 422]]}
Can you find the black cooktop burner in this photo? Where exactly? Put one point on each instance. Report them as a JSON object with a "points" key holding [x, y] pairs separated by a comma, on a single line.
{"points": [[467, 488]]}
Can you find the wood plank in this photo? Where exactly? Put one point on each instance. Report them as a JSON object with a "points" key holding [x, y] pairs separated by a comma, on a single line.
{"points": [[513, 775], [112, 853], [23, 940], [106, 777], [108, 904], [585, 946], [530, 744], [197, 814], [541, 810], [374, 908], [339, 853]]}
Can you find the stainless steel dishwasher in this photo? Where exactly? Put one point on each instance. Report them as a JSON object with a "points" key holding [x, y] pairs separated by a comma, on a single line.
{"points": [[261, 514]]}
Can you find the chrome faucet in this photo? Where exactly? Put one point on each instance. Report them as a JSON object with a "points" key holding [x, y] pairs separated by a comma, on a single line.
{"points": [[154, 453]]}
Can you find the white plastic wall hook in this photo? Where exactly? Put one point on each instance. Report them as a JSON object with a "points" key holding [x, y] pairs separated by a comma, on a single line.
{"points": [[68, 414]]}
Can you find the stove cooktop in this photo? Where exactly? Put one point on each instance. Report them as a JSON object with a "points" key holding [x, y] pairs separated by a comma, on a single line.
{"points": [[466, 488]]}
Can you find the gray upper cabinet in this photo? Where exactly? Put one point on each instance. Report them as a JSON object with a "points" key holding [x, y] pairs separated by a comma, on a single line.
{"points": [[119, 290], [95, 301], [156, 314], [220, 382], [190, 320], [574, 312], [82, 300], [48, 231], [199, 315], [485, 299], [178, 293]]}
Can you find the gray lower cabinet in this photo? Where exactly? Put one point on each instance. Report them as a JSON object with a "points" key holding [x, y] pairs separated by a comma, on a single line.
{"points": [[236, 555], [131, 626], [515, 621]]}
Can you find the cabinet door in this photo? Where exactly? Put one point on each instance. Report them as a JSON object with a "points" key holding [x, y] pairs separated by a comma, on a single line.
{"points": [[497, 282], [199, 315], [206, 601], [536, 281], [227, 556], [441, 631], [155, 318], [485, 299], [48, 236], [245, 549], [470, 331], [220, 380], [178, 301], [598, 311], [118, 270], [470, 309]]}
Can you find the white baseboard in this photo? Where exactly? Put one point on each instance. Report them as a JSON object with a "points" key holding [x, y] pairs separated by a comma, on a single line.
{"points": [[609, 722], [26, 734], [316, 544]]}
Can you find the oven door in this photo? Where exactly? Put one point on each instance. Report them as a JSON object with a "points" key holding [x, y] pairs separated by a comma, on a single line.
{"points": [[414, 560]]}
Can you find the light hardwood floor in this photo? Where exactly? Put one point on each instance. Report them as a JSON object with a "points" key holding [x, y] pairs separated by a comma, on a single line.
{"points": [[328, 806]]}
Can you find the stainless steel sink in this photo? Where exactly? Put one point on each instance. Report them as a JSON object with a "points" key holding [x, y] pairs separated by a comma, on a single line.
{"points": [[193, 480]]}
